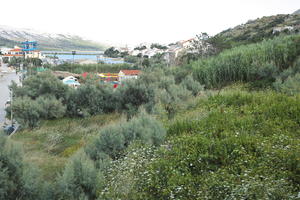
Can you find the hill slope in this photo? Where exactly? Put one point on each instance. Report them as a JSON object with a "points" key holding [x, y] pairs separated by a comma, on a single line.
{"points": [[297, 12], [13, 36], [259, 29]]}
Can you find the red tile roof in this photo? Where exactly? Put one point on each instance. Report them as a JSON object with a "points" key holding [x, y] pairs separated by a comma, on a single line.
{"points": [[131, 72], [15, 50], [11, 55]]}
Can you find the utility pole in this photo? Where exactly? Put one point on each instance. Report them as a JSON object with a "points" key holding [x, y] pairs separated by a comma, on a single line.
{"points": [[73, 53], [11, 103]]}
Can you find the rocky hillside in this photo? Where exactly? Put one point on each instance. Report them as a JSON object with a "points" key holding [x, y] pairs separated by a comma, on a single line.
{"points": [[13, 36], [257, 30], [297, 12]]}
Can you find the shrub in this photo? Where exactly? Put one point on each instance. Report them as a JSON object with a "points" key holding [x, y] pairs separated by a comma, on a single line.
{"points": [[145, 129], [133, 94], [41, 84], [172, 98], [80, 179], [26, 111], [290, 86], [114, 139], [192, 85], [245, 147], [51, 108], [17, 180], [29, 112], [92, 98], [110, 142]]}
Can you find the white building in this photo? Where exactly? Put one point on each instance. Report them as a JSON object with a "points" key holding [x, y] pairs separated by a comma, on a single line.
{"points": [[128, 74]]}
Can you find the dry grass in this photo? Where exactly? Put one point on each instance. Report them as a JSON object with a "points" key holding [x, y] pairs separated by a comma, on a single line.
{"points": [[49, 146]]}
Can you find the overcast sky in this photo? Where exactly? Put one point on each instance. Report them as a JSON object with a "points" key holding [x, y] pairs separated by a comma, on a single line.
{"points": [[135, 21]]}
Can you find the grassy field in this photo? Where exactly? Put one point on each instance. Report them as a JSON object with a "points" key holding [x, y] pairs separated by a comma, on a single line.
{"points": [[51, 144]]}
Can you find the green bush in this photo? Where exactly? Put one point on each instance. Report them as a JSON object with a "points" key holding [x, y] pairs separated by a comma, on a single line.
{"points": [[144, 128], [27, 111], [114, 139], [41, 84], [92, 98], [80, 179], [246, 147], [133, 94], [172, 98], [192, 85], [290, 86], [17, 180], [51, 108], [111, 142]]}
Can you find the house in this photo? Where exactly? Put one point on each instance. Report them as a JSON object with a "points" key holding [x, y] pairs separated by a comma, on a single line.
{"points": [[34, 54], [71, 81], [15, 52], [5, 50], [187, 43], [19, 52], [128, 74], [108, 77]]}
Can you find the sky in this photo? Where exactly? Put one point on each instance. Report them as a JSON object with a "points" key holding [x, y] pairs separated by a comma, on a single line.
{"points": [[131, 22]]}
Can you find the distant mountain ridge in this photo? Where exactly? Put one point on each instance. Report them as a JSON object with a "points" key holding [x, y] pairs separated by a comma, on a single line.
{"points": [[10, 36]]}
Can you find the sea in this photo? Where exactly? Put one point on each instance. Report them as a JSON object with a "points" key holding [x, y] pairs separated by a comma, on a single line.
{"points": [[83, 55]]}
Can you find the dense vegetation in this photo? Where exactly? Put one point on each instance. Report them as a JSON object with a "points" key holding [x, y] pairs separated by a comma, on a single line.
{"points": [[101, 68], [170, 134], [257, 30], [261, 61]]}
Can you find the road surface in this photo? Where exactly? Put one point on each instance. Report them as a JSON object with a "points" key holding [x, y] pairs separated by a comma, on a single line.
{"points": [[5, 81]]}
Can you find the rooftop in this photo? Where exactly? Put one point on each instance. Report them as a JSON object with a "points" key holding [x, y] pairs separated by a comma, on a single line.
{"points": [[131, 72]]}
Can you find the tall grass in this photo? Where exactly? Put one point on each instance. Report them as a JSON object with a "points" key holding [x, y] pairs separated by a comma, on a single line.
{"points": [[249, 62]]}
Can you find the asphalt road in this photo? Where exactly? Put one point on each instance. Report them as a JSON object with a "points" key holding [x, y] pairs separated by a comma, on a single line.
{"points": [[5, 81]]}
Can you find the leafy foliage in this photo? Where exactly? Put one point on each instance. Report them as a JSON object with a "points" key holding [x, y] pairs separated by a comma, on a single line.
{"points": [[29, 112], [17, 181], [112, 52], [80, 179], [101, 68], [248, 63], [246, 147], [192, 85], [113, 140], [290, 86], [41, 84]]}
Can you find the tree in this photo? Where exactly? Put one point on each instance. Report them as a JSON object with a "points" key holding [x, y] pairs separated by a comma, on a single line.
{"points": [[41, 84], [140, 48], [112, 52], [201, 46], [26, 111], [134, 94], [17, 180], [158, 46], [194, 86]]}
